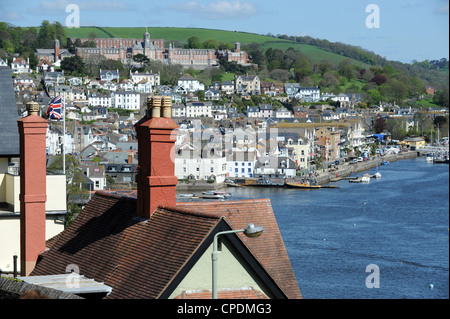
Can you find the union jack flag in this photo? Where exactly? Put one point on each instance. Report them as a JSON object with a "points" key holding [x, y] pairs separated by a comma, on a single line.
{"points": [[54, 110]]}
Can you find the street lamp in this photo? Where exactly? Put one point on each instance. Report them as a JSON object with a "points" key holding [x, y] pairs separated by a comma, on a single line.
{"points": [[250, 231]]}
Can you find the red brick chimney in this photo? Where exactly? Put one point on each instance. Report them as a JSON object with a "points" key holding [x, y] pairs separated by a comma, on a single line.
{"points": [[56, 50], [156, 180], [32, 133]]}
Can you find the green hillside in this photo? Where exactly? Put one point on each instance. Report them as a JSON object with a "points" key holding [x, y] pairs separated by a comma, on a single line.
{"points": [[316, 54]]}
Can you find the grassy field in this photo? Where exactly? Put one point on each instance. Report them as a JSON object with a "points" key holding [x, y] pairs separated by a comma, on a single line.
{"points": [[172, 34], [182, 34], [83, 32]]}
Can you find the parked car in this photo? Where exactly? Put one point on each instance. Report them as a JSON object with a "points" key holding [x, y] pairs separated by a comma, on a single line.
{"points": [[360, 159], [353, 161]]}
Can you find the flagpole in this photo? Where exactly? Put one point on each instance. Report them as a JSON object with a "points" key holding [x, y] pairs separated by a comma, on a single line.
{"points": [[64, 132]]}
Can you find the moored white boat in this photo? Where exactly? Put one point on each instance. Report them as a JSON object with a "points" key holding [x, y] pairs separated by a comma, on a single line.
{"points": [[365, 178]]}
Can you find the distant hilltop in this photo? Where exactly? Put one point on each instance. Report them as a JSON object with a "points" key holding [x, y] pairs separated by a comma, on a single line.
{"points": [[123, 49]]}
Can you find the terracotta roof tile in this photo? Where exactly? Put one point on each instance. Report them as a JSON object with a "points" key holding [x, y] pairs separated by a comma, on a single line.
{"points": [[110, 244], [139, 258], [269, 249]]}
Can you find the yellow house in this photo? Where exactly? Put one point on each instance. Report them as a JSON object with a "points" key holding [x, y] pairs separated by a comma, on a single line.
{"points": [[415, 142], [56, 209]]}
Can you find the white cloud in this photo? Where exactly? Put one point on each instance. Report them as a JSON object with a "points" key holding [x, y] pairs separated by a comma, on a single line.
{"points": [[59, 6], [218, 10], [443, 10]]}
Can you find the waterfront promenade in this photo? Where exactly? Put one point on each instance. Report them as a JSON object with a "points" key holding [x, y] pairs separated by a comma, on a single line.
{"points": [[346, 169]]}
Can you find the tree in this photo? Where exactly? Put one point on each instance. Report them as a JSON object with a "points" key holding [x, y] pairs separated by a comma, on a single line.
{"points": [[397, 128], [380, 125], [194, 43], [74, 181], [379, 79], [73, 65], [375, 96], [141, 58], [442, 97], [330, 79], [345, 68]]}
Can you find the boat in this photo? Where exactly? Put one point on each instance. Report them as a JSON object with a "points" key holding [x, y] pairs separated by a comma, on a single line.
{"points": [[186, 195], [205, 196], [365, 179], [224, 194], [305, 185], [212, 195], [430, 157], [377, 174], [385, 163]]}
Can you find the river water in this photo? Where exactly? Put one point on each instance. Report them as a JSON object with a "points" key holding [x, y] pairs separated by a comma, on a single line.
{"points": [[397, 225]]}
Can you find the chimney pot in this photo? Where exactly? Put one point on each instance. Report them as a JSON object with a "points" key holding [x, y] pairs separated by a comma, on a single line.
{"points": [[167, 106], [32, 108], [154, 106]]}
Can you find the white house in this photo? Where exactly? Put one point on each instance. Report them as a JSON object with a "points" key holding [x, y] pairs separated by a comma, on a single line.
{"points": [[189, 164], [178, 110], [227, 87], [308, 94], [95, 99], [265, 110], [275, 167], [253, 112], [126, 100], [241, 164], [153, 78], [24, 80], [291, 89], [20, 65], [126, 85], [109, 75], [341, 97], [198, 109], [190, 83], [282, 113], [75, 81], [219, 112], [144, 86], [212, 95], [3, 62], [179, 90], [108, 85]]}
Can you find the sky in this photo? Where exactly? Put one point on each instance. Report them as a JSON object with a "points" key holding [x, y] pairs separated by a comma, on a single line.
{"points": [[401, 30]]}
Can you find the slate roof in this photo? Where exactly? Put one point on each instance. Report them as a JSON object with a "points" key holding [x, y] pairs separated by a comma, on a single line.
{"points": [[144, 258], [11, 289], [9, 133]]}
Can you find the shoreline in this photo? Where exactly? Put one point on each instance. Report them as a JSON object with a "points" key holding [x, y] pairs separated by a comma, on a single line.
{"points": [[347, 169], [323, 177]]}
